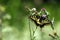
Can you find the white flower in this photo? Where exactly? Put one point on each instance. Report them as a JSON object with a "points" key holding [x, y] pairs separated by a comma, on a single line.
{"points": [[33, 9]]}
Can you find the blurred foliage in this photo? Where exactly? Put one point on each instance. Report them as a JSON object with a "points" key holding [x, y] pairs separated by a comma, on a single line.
{"points": [[17, 14]]}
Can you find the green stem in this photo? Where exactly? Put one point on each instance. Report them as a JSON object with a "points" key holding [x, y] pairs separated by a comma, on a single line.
{"points": [[30, 30], [34, 33]]}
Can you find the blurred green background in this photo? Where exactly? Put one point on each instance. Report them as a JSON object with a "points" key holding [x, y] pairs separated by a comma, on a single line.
{"points": [[15, 22]]}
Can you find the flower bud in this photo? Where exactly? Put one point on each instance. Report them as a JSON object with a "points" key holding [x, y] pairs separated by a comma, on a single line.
{"points": [[33, 9]]}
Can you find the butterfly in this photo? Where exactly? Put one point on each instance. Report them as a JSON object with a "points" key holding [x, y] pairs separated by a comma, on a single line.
{"points": [[41, 21]]}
